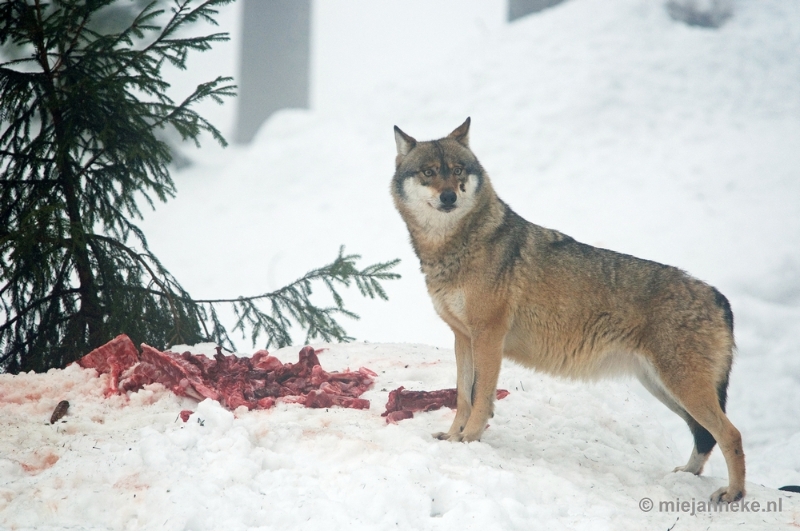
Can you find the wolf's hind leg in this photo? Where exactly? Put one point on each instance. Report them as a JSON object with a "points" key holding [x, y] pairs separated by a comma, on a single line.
{"points": [[704, 400], [703, 441]]}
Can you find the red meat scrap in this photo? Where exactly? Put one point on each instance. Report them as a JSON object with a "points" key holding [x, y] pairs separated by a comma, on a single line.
{"points": [[403, 403], [256, 382], [113, 358], [181, 373]]}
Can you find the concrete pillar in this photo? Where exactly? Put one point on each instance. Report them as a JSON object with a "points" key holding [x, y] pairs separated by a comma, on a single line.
{"points": [[520, 8], [274, 72]]}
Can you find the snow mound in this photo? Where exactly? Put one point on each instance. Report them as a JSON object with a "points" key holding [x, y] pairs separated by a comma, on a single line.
{"points": [[561, 454]]}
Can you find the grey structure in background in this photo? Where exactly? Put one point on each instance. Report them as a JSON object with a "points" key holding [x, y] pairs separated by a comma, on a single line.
{"points": [[274, 71], [520, 8], [703, 13]]}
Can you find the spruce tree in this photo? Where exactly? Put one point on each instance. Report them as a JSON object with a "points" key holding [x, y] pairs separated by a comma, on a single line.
{"points": [[81, 111]]}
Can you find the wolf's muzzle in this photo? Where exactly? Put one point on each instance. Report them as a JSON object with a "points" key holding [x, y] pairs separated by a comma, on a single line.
{"points": [[448, 199]]}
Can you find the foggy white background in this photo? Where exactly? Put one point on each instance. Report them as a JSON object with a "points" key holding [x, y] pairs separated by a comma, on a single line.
{"points": [[356, 47]]}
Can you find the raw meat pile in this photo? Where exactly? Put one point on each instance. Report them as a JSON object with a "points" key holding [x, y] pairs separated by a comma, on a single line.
{"points": [[403, 403], [255, 382]]}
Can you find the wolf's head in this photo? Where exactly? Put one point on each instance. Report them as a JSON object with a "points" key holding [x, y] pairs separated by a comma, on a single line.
{"points": [[437, 182]]}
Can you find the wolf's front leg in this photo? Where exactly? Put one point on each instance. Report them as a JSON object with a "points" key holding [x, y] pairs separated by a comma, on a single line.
{"points": [[477, 383], [487, 355], [465, 377]]}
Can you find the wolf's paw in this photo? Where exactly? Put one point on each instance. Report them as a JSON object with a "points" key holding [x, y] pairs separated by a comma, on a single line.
{"points": [[470, 437], [727, 495], [447, 436], [686, 468], [457, 437]]}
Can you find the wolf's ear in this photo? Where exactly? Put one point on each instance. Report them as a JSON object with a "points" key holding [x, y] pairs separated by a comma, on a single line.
{"points": [[404, 142], [461, 134]]}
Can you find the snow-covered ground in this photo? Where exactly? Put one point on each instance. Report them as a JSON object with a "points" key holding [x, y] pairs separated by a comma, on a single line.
{"points": [[605, 120], [556, 456]]}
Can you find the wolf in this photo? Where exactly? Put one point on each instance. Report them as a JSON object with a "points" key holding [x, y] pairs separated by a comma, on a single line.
{"points": [[509, 288]]}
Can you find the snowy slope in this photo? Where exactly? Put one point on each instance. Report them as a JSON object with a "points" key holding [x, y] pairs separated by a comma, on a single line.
{"points": [[556, 456], [605, 120]]}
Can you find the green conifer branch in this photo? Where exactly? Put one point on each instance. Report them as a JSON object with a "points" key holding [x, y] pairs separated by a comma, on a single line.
{"points": [[79, 109], [291, 304]]}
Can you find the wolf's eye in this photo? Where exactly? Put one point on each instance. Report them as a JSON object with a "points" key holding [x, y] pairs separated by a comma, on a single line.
{"points": [[428, 173], [456, 171]]}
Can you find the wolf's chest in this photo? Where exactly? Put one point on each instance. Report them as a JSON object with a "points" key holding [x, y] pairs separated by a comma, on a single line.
{"points": [[450, 303]]}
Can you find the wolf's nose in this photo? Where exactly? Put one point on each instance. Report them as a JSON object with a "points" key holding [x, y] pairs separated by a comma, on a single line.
{"points": [[448, 198]]}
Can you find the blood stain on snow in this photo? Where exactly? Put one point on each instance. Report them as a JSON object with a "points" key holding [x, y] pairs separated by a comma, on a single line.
{"points": [[132, 482], [40, 460]]}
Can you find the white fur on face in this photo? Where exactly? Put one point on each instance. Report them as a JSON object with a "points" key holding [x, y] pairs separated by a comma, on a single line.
{"points": [[423, 203]]}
